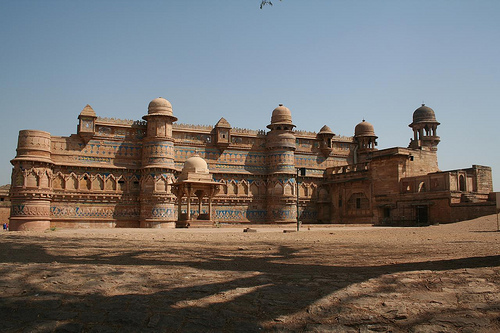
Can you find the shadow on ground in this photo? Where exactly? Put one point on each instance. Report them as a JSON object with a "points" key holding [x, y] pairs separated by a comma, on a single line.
{"points": [[252, 291]]}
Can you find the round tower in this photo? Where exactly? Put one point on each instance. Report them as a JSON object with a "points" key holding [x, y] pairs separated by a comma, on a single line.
{"points": [[157, 200], [424, 128], [280, 143], [31, 189]]}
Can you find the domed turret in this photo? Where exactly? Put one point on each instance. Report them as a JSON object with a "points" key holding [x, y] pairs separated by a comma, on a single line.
{"points": [[325, 130], [160, 118], [160, 106], [364, 136], [364, 128], [325, 136], [424, 114], [281, 118], [424, 127]]}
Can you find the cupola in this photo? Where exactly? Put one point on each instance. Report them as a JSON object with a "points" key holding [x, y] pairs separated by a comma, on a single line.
{"points": [[424, 128], [281, 119], [364, 136], [325, 136], [159, 119], [195, 169]]}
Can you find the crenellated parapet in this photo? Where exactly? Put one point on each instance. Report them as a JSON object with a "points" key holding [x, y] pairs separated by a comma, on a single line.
{"points": [[204, 128], [120, 122]]}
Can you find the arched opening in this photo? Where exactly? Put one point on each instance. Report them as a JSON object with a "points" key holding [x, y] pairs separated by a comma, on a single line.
{"points": [[461, 182]]}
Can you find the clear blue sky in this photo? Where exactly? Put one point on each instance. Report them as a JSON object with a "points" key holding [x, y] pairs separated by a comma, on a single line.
{"points": [[331, 62]]}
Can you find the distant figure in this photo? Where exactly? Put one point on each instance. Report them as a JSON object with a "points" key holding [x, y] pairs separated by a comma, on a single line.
{"points": [[5, 227]]}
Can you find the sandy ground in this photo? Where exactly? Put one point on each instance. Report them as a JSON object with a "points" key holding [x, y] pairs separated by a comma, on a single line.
{"points": [[442, 278]]}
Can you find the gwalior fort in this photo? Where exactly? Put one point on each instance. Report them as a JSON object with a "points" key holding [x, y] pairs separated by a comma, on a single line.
{"points": [[156, 173]]}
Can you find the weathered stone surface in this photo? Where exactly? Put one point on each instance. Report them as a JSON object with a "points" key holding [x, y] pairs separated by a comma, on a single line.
{"points": [[157, 174]]}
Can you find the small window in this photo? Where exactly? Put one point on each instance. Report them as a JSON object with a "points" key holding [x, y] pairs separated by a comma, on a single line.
{"points": [[358, 203]]}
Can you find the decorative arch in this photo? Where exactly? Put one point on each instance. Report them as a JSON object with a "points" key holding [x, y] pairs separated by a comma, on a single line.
{"points": [[72, 182], [161, 184], [120, 181], [110, 183], [232, 188], [243, 188], [288, 189], [148, 185], [44, 178], [254, 189], [98, 183], [313, 190], [18, 178], [277, 189], [32, 179], [134, 184], [85, 182], [59, 183], [303, 190]]}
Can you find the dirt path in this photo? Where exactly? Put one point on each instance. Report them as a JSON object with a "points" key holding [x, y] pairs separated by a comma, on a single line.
{"points": [[327, 279]]}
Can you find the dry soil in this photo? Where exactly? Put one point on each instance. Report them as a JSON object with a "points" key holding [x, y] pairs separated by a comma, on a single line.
{"points": [[442, 278]]}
